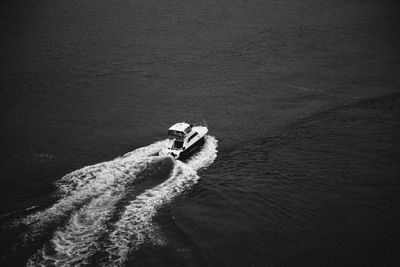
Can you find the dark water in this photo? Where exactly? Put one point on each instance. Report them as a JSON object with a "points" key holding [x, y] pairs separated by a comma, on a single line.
{"points": [[300, 168]]}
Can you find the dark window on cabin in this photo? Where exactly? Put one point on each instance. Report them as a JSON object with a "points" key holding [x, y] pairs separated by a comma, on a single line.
{"points": [[175, 134], [193, 135]]}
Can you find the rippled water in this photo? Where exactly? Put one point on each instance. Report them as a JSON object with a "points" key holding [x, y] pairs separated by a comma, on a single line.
{"points": [[325, 190], [301, 166]]}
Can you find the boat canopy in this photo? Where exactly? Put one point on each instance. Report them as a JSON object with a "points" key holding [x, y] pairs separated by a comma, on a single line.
{"points": [[179, 130], [181, 127]]}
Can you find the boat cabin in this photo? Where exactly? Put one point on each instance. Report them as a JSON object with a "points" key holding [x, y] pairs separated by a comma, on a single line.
{"points": [[177, 134]]}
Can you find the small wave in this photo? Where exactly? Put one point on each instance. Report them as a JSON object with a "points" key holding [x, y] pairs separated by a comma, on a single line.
{"points": [[13, 213]]}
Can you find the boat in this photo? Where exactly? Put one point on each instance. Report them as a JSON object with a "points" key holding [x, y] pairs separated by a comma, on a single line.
{"points": [[184, 140]]}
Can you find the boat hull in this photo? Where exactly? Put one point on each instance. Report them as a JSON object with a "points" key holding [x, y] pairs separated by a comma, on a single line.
{"points": [[190, 151]]}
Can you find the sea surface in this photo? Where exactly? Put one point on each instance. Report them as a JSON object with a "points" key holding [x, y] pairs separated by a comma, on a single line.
{"points": [[301, 166]]}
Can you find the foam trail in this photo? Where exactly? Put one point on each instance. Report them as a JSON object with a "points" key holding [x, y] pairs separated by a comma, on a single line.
{"points": [[80, 178], [77, 241], [136, 226], [80, 187]]}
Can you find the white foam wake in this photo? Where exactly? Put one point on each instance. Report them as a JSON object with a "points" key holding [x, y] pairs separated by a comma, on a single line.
{"points": [[90, 195], [136, 226], [81, 186], [77, 241]]}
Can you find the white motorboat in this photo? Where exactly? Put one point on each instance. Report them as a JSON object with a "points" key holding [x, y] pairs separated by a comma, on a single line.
{"points": [[184, 140]]}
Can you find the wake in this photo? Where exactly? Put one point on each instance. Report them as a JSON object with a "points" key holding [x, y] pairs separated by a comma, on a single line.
{"points": [[97, 210]]}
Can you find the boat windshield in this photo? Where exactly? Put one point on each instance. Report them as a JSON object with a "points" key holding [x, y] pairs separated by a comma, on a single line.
{"points": [[176, 134]]}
